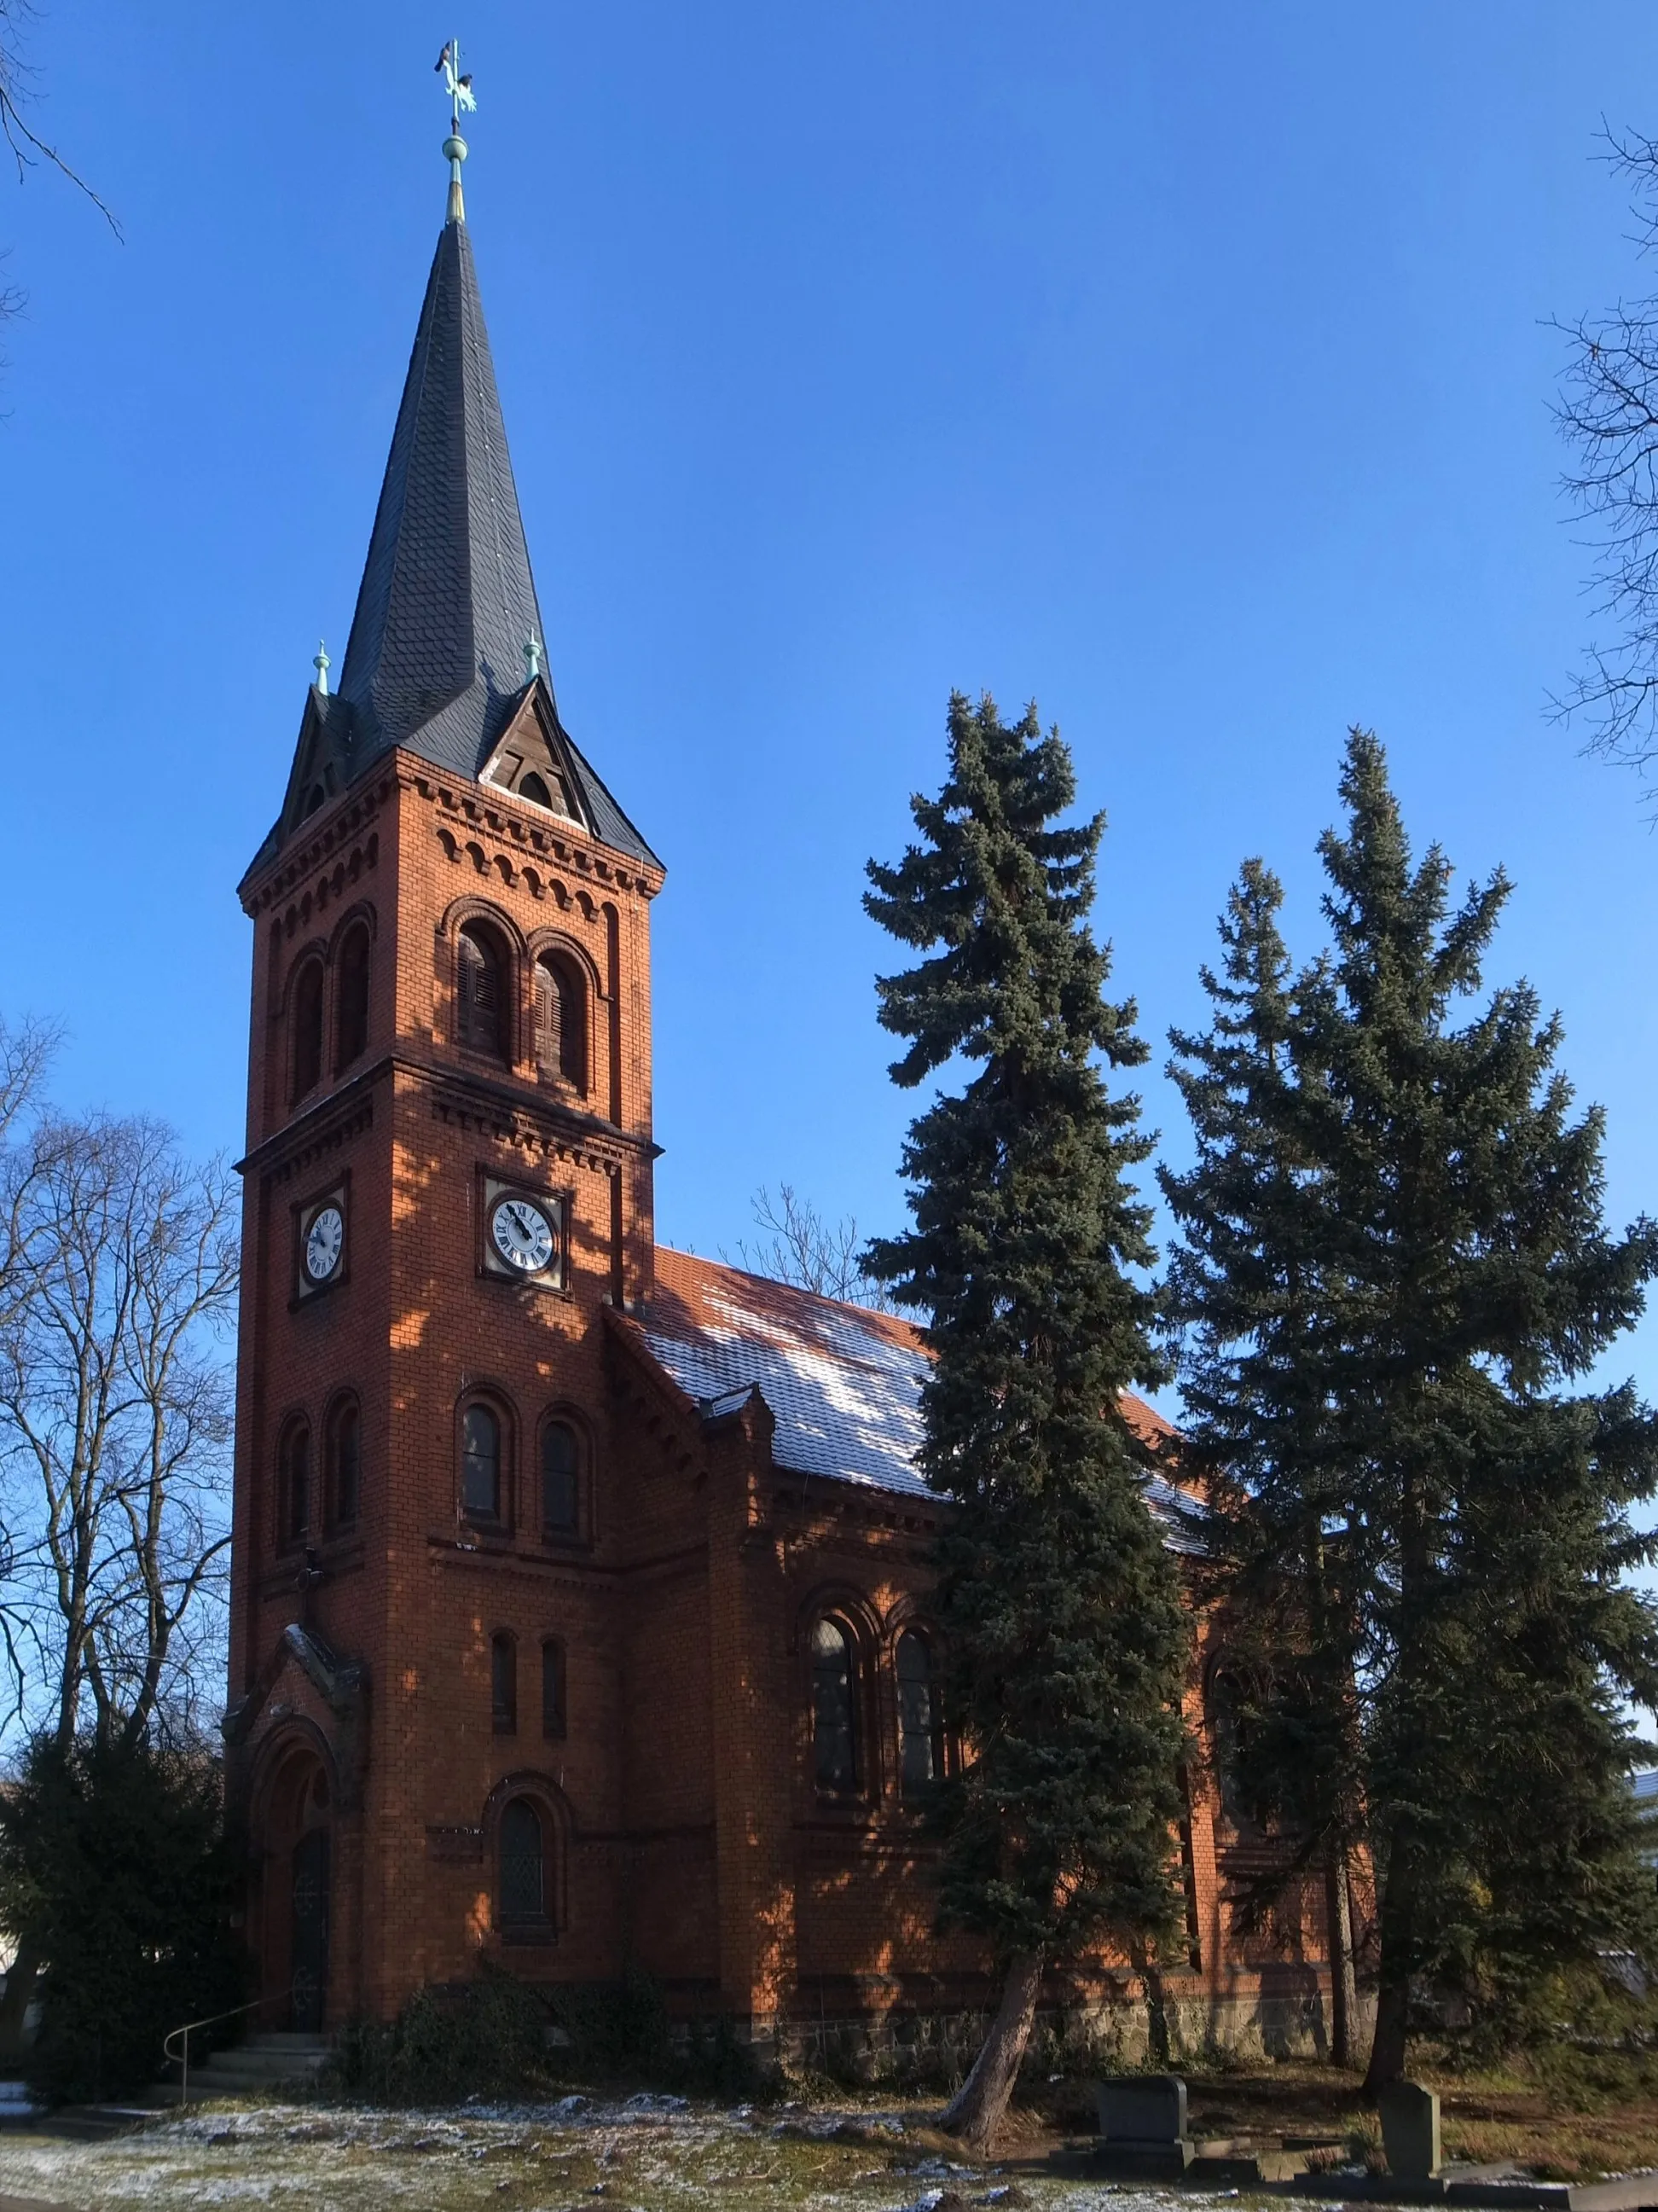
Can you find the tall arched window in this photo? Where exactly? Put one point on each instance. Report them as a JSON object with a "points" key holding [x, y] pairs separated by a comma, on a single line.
{"points": [[919, 1737], [523, 1864], [553, 1713], [484, 997], [307, 1028], [293, 1483], [561, 1020], [532, 788], [480, 1462], [344, 1467], [561, 1480], [503, 1683], [351, 996], [833, 1701]]}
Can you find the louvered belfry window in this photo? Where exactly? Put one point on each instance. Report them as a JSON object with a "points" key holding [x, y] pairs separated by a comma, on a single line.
{"points": [[482, 992], [351, 1041], [307, 1029], [560, 1022]]}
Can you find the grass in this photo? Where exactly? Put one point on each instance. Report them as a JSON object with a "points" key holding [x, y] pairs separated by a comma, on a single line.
{"points": [[839, 2152]]}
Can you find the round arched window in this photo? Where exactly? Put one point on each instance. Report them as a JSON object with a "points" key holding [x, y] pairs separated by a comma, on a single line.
{"points": [[523, 1864], [480, 1468], [561, 1480], [919, 1736], [482, 991], [834, 1705]]}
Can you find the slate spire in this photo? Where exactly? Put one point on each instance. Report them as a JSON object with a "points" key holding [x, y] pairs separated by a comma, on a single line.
{"points": [[445, 647], [448, 599]]}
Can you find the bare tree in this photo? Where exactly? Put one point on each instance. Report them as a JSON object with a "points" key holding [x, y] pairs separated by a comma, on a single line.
{"points": [[18, 88], [1607, 412], [115, 1422], [119, 1276], [799, 1245]]}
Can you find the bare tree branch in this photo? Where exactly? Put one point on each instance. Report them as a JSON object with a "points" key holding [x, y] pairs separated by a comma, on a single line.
{"points": [[1607, 413], [799, 1245], [26, 146]]}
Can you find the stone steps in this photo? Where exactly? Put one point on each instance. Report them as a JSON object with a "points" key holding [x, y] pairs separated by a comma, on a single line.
{"points": [[260, 2067]]}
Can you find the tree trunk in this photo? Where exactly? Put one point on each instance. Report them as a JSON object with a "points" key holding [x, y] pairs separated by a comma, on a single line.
{"points": [[1393, 2010], [975, 2112], [1343, 1986], [20, 1992]]}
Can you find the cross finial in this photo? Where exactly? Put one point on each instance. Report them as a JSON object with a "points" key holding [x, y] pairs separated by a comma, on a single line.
{"points": [[531, 658], [322, 664], [459, 89]]}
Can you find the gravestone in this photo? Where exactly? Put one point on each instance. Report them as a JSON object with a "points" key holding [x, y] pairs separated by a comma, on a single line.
{"points": [[1142, 2126], [1410, 2131]]}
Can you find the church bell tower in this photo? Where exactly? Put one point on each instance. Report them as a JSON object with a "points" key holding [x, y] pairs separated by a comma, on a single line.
{"points": [[447, 1180]]}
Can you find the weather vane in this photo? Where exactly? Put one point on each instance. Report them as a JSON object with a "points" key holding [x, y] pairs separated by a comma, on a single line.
{"points": [[459, 89]]}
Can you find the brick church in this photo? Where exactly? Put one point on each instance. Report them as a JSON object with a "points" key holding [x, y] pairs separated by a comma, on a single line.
{"points": [[580, 1605]]}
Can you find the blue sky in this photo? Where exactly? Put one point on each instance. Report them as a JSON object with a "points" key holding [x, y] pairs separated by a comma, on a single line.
{"points": [[1185, 369]]}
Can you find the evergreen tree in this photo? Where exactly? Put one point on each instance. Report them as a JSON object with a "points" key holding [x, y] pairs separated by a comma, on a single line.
{"points": [[1059, 1601], [1249, 1279], [114, 1850], [1394, 1267]]}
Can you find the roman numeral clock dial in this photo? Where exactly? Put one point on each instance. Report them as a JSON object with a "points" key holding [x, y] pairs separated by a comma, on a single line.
{"points": [[522, 1234]]}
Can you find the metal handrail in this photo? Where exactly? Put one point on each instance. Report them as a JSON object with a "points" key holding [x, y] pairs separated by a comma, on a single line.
{"points": [[209, 2019]]}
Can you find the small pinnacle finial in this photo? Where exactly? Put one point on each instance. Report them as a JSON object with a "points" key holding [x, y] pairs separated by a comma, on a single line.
{"points": [[531, 658], [459, 89], [322, 664]]}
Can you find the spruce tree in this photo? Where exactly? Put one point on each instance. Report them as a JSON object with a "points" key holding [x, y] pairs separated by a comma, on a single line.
{"points": [[1058, 1598], [1445, 1528], [1250, 1278]]}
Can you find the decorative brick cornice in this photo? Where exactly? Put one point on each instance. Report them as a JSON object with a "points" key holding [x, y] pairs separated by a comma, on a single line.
{"points": [[517, 835], [344, 842]]}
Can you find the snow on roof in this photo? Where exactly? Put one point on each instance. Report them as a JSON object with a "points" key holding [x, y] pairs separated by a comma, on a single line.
{"points": [[843, 1384]]}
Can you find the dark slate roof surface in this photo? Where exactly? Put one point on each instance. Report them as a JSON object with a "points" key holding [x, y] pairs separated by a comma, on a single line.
{"points": [[435, 662]]}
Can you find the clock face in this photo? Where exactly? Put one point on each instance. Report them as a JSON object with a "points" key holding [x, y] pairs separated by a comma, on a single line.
{"points": [[523, 1235], [325, 1242]]}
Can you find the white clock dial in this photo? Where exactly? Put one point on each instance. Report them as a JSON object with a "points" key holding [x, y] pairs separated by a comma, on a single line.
{"points": [[325, 1242], [523, 1235]]}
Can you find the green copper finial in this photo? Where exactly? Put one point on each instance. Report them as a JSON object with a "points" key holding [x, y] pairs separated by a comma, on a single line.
{"points": [[531, 658], [322, 664], [459, 89]]}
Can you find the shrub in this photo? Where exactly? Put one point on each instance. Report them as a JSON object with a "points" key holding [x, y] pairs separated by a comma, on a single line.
{"points": [[116, 1857]]}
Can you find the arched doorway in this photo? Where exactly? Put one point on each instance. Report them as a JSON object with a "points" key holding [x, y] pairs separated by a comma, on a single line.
{"points": [[298, 1863]]}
